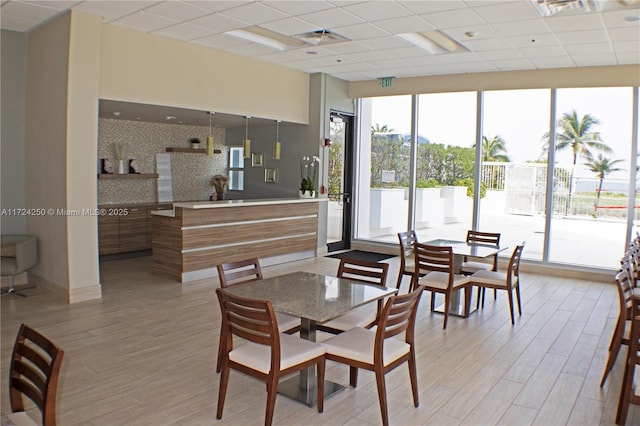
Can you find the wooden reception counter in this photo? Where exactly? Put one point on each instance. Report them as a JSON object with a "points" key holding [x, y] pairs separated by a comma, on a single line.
{"points": [[190, 240]]}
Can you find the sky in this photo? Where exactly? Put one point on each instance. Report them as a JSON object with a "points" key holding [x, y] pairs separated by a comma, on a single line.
{"points": [[520, 117]]}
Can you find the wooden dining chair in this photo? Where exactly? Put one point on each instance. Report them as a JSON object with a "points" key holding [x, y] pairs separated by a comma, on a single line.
{"points": [[366, 316], [245, 271], [435, 273], [407, 239], [508, 280], [34, 370], [629, 381], [267, 354], [378, 350], [622, 329], [473, 264]]}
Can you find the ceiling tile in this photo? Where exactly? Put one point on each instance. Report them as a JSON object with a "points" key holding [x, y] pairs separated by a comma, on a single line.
{"points": [[628, 58], [459, 58], [218, 5], [219, 23], [624, 34], [581, 22], [299, 7], [533, 26], [177, 10], [361, 31], [14, 23], [582, 37], [255, 13], [532, 40], [142, 21], [486, 44], [381, 43], [500, 55], [480, 32], [506, 11], [513, 64], [249, 49], [421, 7], [479, 67], [378, 10], [28, 11], [548, 62], [453, 19], [593, 60], [183, 32], [332, 18], [109, 11], [54, 4], [539, 52], [586, 49], [410, 24], [289, 26], [626, 46], [617, 19]]}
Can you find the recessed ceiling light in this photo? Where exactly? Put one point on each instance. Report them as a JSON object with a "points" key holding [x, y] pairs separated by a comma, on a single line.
{"points": [[632, 18], [116, 113], [169, 117]]}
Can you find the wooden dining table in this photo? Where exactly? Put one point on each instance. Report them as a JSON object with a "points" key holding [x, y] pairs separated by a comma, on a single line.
{"points": [[315, 298], [461, 250]]}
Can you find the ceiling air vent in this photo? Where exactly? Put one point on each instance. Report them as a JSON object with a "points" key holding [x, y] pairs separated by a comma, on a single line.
{"points": [[551, 7], [321, 37]]}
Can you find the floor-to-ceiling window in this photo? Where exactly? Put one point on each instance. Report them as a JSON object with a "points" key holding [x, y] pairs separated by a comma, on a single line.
{"points": [[591, 189], [445, 165], [514, 167]]}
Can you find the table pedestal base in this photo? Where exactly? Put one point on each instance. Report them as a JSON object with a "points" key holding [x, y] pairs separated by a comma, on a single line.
{"points": [[457, 304], [304, 391]]}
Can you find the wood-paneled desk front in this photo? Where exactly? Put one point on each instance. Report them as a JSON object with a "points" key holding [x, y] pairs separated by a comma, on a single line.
{"points": [[462, 249], [315, 299], [190, 240]]}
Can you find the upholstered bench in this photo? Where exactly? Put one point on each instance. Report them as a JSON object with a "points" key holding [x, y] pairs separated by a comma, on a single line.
{"points": [[19, 254]]}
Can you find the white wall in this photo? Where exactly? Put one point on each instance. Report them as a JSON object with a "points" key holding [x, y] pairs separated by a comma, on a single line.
{"points": [[13, 47]]}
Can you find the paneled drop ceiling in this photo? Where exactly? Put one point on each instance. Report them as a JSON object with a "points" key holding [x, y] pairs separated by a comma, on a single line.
{"points": [[492, 35]]}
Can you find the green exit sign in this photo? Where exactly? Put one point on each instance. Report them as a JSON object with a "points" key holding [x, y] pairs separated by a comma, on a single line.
{"points": [[386, 81]]}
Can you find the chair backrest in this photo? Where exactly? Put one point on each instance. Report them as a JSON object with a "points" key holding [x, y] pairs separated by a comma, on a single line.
{"points": [[513, 270], [433, 258], [407, 239], [250, 319], [477, 237], [363, 271], [34, 371], [625, 292], [243, 271], [398, 316]]}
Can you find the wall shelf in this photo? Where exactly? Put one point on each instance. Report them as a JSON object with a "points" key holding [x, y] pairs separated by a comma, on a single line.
{"points": [[128, 176], [192, 150], [187, 150]]}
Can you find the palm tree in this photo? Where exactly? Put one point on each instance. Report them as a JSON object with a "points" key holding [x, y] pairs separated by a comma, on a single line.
{"points": [[601, 166], [494, 149], [380, 129], [575, 133]]}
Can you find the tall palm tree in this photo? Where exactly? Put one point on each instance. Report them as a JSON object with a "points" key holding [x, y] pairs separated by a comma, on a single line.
{"points": [[601, 166], [380, 129], [494, 149], [576, 133]]}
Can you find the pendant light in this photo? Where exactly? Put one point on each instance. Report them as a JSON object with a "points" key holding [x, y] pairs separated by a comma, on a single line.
{"points": [[276, 146], [246, 143], [210, 138]]}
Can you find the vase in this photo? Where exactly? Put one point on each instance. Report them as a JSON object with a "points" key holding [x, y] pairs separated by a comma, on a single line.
{"points": [[121, 167], [306, 194], [219, 195]]}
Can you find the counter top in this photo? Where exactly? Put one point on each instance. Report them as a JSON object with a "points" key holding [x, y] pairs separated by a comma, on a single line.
{"points": [[237, 203]]}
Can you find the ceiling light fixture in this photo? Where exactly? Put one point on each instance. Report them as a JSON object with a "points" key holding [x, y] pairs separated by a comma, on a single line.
{"points": [[116, 113], [321, 37], [434, 42], [257, 38]]}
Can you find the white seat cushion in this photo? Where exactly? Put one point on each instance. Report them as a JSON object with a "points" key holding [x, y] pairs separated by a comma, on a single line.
{"points": [[19, 418], [293, 350], [359, 317], [492, 277], [440, 280], [357, 344], [286, 322], [471, 267]]}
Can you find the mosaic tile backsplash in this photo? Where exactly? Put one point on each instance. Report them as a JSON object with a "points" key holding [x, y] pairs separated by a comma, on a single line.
{"points": [[190, 172]]}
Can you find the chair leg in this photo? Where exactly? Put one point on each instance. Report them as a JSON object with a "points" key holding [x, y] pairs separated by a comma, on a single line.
{"points": [[467, 300], [518, 296], [11, 289], [433, 300], [510, 294], [382, 395], [625, 392], [495, 294], [413, 377], [272, 392], [320, 384], [219, 362], [222, 393], [447, 302], [480, 296], [614, 349], [353, 376]]}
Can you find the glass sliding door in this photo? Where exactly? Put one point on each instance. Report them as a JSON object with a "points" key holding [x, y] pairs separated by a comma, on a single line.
{"points": [[514, 167], [383, 168], [591, 188], [445, 165]]}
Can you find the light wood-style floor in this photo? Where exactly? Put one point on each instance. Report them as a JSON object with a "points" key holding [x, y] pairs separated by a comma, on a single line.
{"points": [[145, 355]]}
